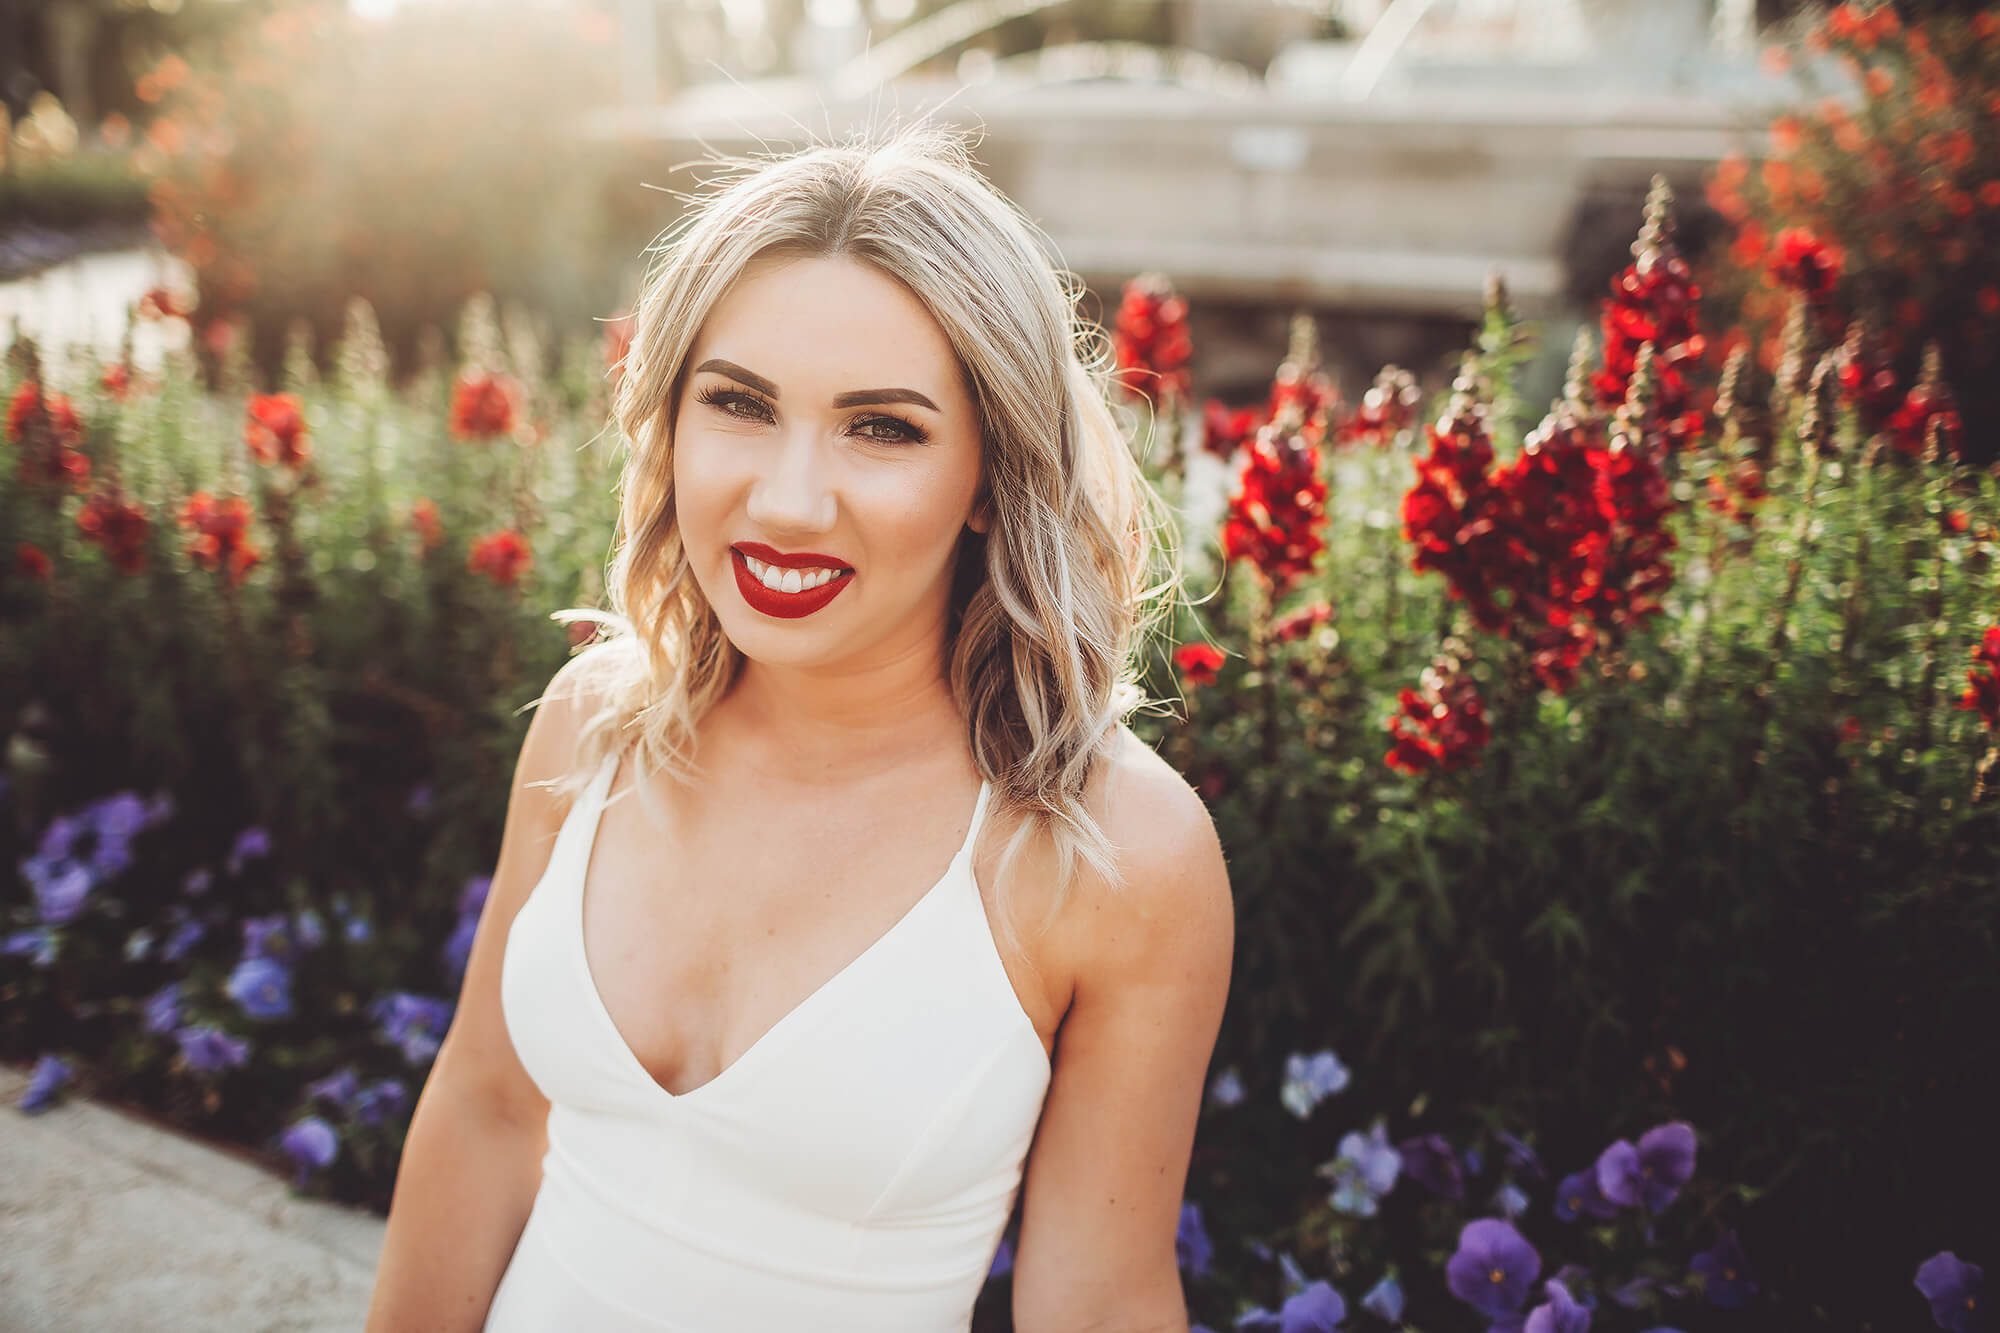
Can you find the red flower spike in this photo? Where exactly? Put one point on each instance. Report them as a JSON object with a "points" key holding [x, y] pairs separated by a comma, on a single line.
{"points": [[221, 540], [1198, 663], [1150, 339], [1441, 726], [276, 430], [502, 556], [1388, 409], [47, 430], [1654, 300], [109, 521], [483, 405]]}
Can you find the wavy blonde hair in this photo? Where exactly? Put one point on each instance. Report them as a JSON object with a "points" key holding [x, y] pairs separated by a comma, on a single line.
{"points": [[1049, 607]]}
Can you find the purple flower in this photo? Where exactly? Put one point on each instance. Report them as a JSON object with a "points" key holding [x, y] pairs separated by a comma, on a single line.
{"points": [[1493, 1268], [1724, 1273], [1510, 1201], [138, 944], [458, 948], [197, 881], [1561, 1315], [1521, 1155], [250, 844], [262, 988], [123, 816], [1311, 1079], [163, 1009], [308, 929], [1429, 1160], [52, 1074], [1472, 1161], [269, 936], [312, 1145], [1632, 1294], [209, 1050], [1578, 1194], [1385, 1298], [1952, 1287], [1192, 1250], [1652, 1173], [414, 1023], [1227, 1089], [472, 898], [1314, 1308], [1366, 1169], [37, 940], [185, 937], [1003, 1259], [60, 889], [380, 1100], [340, 1088]]}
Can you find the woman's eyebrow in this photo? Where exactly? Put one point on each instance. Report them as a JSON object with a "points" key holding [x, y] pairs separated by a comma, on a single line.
{"points": [[855, 398]]}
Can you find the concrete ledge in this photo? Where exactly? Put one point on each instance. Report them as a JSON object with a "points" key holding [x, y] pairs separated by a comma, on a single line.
{"points": [[108, 1222]]}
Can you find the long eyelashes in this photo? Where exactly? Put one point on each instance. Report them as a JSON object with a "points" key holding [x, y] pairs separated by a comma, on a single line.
{"points": [[909, 431]]}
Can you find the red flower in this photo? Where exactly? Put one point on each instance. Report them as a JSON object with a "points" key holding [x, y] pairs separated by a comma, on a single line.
{"points": [[484, 405], [1225, 430], [31, 561], [1295, 625], [47, 431], [424, 518], [221, 539], [1654, 300], [116, 380], [1388, 408], [118, 526], [502, 556], [1198, 663], [276, 430], [1983, 694], [1151, 340], [1441, 726], [1276, 507], [1928, 407], [1805, 263]]}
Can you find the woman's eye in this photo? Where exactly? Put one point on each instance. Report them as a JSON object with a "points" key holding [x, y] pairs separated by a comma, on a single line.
{"points": [[898, 430], [724, 398]]}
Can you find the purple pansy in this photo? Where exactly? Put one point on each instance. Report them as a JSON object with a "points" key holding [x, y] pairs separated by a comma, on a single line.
{"points": [[186, 935], [340, 1088], [262, 988], [1365, 1170], [380, 1100], [312, 1145], [1431, 1163], [1494, 1267], [1952, 1286], [163, 1009], [1577, 1194], [1510, 1201], [1385, 1299], [1314, 1308], [1650, 1175], [250, 844], [38, 941], [1192, 1249], [1560, 1315], [1227, 1089], [209, 1050], [1725, 1273], [52, 1074], [1310, 1079], [413, 1023], [1521, 1155], [60, 890]]}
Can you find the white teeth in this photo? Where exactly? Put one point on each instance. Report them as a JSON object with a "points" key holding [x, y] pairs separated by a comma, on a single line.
{"points": [[788, 580]]}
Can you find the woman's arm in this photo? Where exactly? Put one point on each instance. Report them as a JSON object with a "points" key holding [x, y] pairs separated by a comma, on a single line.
{"points": [[472, 1161], [1102, 1191]]}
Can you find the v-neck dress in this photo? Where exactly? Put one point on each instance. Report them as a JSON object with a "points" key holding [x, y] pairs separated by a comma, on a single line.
{"points": [[852, 1170]]}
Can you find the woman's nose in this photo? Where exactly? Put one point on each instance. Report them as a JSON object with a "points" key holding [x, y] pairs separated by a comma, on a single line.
{"points": [[793, 491]]}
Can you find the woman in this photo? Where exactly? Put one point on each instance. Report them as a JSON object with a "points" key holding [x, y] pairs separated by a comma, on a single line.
{"points": [[764, 1052]]}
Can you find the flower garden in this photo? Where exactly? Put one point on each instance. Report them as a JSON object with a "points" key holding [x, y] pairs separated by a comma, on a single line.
{"points": [[1607, 785]]}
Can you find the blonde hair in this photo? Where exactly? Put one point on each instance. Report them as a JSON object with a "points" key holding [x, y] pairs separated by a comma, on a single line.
{"points": [[1049, 607]]}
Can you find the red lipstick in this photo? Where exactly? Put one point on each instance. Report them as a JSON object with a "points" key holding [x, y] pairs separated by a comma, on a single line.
{"points": [[786, 605]]}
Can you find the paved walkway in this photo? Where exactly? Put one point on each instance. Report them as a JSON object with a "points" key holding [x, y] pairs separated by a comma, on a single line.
{"points": [[110, 1223]]}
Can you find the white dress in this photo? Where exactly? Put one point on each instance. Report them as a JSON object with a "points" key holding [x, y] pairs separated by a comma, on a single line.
{"points": [[852, 1170]]}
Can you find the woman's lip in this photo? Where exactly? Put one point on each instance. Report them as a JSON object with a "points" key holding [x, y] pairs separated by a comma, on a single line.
{"points": [[783, 605], [791, 560]]}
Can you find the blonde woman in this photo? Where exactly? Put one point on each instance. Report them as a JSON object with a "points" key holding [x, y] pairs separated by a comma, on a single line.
{"points": [[773, 1048]]}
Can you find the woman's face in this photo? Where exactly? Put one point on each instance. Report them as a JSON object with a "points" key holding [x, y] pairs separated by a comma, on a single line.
{"points": [[823, 415]]}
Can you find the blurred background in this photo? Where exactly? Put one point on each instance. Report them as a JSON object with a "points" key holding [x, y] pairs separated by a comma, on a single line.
{"points": [[1370, 158], [1581, 417]]}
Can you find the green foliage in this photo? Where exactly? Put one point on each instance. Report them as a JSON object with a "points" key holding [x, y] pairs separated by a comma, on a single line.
{"points": [[1734, 875]]}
